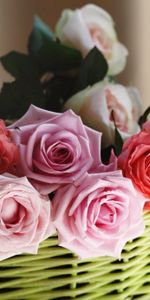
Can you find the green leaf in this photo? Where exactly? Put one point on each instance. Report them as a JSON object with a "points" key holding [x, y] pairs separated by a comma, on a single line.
{"points": [[49, 53], [16, 97], [93, 69], [111, 79], [20, 65], [106, 153], [57, 91], [55, 57], [144, 117], [118, 142], [40, 34]]}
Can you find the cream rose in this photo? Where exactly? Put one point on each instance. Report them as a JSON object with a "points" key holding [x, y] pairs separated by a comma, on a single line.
{"points": [[92, 26], [104, 104]]}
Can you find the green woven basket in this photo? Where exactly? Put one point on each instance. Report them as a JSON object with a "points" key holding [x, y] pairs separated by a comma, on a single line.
{"points": [[55, 273]]}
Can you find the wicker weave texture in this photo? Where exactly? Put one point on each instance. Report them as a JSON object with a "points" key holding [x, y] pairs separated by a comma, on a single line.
{"points": [[55, 273]]}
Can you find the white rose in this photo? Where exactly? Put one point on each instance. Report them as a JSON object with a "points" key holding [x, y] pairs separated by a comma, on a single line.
{"points": [[104, 104], [92, 26]]}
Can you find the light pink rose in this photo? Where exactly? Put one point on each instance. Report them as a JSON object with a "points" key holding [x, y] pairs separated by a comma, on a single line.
{"points": [[92, 26], [134, 160], [98, 216], [55, 149], [25, 217], [104, 104]]}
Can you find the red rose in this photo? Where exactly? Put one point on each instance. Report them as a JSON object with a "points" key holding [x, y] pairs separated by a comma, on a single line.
{"points": [[9, 154], [135, 161]]}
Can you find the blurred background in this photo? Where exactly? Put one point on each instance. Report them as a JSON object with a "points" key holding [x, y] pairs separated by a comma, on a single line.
{"points": [[132, 19]]}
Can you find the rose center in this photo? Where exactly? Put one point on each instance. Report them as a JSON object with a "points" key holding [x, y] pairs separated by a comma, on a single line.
{"points": [[9, 212], [60, 154], [101, 40], [106, 215]]}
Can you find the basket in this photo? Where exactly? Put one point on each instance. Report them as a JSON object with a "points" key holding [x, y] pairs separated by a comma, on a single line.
{"points": [[55, 273]]}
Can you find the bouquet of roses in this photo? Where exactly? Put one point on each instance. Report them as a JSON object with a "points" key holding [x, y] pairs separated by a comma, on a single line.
{"points": [[74, 151]]}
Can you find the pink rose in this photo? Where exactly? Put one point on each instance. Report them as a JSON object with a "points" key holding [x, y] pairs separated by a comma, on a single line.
{"points": [[134, 160], [55, 149], [9, 154], [98, 216], [25, 217]]}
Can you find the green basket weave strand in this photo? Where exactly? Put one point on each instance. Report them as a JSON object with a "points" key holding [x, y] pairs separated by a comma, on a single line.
{"points": [[55, 273]]}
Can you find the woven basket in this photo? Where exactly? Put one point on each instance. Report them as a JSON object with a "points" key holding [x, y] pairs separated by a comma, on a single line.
{"points": [[55, 273]]}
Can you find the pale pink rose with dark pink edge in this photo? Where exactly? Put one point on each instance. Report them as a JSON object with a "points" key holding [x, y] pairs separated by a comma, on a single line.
{"points": [[55, 148], [25, 217], [9, 154], [96, 217], [134, 161]]}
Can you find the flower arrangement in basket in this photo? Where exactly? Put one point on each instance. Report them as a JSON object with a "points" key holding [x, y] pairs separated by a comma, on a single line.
{"points": [[75, 150]]}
